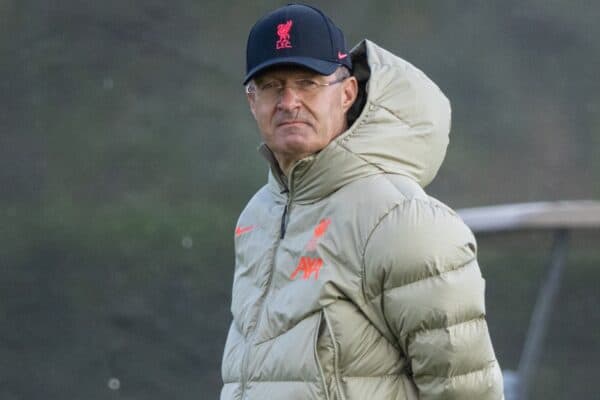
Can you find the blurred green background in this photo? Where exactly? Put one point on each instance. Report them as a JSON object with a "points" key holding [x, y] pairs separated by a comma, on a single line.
{"points": [[127, 152]]}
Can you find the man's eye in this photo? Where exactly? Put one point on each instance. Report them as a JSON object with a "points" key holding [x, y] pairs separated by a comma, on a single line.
{"points": [[269, 85], [306, 84]]}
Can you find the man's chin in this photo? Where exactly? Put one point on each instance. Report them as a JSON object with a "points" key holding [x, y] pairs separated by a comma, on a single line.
{"points": [[295, 145], [296, 138], [294, 133]]}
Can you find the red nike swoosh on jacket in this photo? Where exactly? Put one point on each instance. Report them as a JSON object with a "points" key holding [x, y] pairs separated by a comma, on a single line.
{"points": [[240, 230]]}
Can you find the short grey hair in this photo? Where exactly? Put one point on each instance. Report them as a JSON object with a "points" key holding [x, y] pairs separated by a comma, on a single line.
{"points": [[342, 72]]}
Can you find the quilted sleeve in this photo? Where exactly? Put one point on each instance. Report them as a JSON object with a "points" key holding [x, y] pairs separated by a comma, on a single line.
{"points": [[420, 269]]}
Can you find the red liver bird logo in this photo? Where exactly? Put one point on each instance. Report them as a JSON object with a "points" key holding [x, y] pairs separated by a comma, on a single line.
{"points": [[310, 266], [283, 31], [319, 231]]}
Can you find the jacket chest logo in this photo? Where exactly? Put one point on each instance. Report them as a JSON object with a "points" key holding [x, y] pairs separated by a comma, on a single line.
{"points": [[310, 266], [317, 233], [240, 230]]}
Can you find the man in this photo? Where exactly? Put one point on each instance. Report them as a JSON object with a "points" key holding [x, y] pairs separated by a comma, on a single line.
{"points": [[350, 282]]}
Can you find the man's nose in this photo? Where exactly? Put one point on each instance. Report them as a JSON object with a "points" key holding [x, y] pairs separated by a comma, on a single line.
{"points": [[288, 99]]}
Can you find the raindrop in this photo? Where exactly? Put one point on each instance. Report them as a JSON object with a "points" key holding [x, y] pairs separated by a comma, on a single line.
{"points": [[187, 242], [108, 83], [114, 384]]}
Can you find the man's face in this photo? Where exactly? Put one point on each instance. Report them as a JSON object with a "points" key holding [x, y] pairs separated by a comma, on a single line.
{"points": [[295, 122]]}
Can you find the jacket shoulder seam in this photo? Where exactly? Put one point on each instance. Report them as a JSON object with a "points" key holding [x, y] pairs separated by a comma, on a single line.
{"points": [[378, 224], [363, 271]]}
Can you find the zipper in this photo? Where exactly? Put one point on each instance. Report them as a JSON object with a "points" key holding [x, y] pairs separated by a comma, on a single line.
{"points": [[288, 204], [284, 217], [283, 222]]}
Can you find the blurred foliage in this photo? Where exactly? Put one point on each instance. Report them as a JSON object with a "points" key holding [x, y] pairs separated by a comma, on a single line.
{"points": [[127, 152]]}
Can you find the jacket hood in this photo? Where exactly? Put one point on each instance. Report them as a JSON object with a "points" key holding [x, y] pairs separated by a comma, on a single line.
{"points": [[402, 128]]}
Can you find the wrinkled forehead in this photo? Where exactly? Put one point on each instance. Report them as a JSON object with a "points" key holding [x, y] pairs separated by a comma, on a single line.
{"points": [[284, 72]]}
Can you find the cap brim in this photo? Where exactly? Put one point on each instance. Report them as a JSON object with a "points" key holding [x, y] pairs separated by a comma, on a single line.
{"points": [[319, 66]]}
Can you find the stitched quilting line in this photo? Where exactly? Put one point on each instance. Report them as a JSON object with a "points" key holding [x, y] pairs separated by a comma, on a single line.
{"points": [[490, 366]]}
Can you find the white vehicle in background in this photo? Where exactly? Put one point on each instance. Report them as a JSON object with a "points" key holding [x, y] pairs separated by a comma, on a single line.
{"points": [[560, 217]]}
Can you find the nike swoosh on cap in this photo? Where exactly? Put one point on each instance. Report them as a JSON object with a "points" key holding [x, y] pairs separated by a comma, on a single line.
{"points": [[341, 55]]}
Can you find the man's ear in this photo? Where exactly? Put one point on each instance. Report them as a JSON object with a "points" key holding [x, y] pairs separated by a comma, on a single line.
{"points": [[349, 92], [252, 103]]}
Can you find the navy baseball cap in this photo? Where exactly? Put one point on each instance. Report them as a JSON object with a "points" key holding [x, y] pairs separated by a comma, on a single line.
{"points": [[296, 34]]}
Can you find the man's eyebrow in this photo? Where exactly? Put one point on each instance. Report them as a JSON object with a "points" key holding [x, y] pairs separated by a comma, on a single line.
{"points": [[297, 74], [265, 78]]}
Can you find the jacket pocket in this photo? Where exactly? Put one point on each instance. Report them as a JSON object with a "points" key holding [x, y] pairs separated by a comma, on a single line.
{"points": [[327, 351], [319, 353]]}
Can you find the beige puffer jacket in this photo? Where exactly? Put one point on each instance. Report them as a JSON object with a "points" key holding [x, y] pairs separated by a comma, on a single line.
{"points": [[350, 282]]}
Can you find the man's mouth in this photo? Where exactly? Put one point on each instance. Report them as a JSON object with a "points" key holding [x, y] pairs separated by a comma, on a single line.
{"points": [[292, 122]]}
